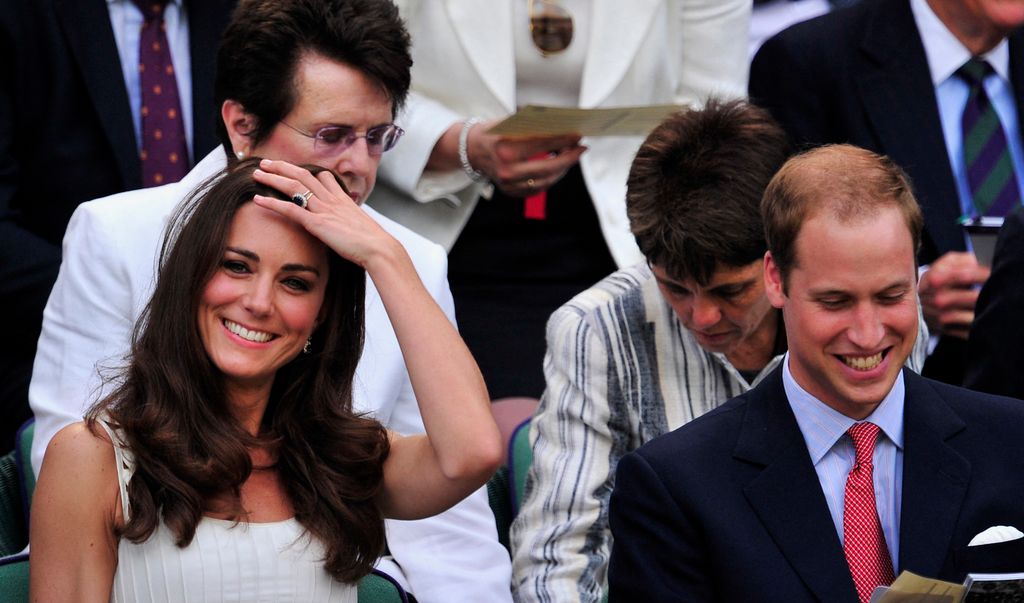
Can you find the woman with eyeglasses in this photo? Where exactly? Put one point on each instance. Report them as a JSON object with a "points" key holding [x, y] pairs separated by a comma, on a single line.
{"points": [[228, 464], [530, 222]]}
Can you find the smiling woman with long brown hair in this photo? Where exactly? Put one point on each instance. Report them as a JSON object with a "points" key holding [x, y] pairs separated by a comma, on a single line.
{"points": [[229, 461]]}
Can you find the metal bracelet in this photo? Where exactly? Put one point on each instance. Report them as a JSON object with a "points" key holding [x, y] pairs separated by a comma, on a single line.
{"points": [[467, 167]]}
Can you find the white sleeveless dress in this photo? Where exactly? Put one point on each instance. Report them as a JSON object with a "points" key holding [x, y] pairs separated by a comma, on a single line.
{"points": [[245, 562]]}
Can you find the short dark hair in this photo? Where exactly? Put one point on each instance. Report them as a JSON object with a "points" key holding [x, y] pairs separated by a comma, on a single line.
{"points": [[192, 456], [849, 182], [266, 39], [695, 185]]}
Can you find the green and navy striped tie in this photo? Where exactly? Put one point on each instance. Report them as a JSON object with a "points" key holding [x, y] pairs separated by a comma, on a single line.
{"points": [[990, 174]]}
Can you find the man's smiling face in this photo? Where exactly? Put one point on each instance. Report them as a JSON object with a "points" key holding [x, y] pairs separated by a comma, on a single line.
{"points": [[850, 307]]}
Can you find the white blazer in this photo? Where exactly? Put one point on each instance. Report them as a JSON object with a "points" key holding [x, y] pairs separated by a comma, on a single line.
{"points": [[640, 52], [111, 253]]}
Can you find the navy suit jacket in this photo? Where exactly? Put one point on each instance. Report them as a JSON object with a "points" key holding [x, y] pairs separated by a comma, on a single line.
{"points": [[66, 136], [729, 507], [995, 352]]}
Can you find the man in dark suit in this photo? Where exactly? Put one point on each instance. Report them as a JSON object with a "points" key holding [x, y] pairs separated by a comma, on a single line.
{"points": [[67, 136], [881, 75], [995, 356], [777, 496]]}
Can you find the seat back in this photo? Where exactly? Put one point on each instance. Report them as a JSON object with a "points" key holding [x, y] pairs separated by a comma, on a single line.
{"points": [[520, 455], [13, 527], [509, 413], [23, 454], [14, 579], [378, 587], [16, 483], [500, 499]]}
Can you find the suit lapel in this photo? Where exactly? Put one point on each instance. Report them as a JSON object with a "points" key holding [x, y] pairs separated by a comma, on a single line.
{"points": [[935, 479], [206, 20], [618, 29], [86, 26], [484, 29], [898, 97], [787, 496]]}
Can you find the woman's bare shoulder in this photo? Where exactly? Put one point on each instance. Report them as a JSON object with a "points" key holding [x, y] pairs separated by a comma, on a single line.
{"points": [[80, 454], [75, 515]]}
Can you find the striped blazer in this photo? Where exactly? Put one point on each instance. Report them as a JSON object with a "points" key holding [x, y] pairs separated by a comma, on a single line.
{"points": [[621, 370]]}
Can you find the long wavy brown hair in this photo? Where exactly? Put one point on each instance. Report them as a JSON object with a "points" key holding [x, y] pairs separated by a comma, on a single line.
{"points": [[172, 411]]}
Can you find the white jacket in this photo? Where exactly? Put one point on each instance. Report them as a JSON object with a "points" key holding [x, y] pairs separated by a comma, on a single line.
{"points": [[640, 52], [111, 252]]}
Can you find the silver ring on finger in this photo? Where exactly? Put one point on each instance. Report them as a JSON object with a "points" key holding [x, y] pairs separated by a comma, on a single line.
{"points": [[302, 199], [531, 183]]}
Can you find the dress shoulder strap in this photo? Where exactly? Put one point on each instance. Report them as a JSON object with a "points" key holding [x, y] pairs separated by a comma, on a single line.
{"points": [[125, 463]]}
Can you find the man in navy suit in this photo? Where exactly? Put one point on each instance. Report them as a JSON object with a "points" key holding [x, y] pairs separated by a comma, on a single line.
{"points": [[67, 136], [882, 75], [748, 502]]}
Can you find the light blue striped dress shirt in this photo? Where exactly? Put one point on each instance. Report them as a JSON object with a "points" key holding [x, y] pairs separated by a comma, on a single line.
{"points": [[831, 449]]}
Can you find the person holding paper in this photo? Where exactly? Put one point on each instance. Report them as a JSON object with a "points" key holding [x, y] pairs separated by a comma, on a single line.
{"points": [[555, 221], [841, 468], [994, 352]]}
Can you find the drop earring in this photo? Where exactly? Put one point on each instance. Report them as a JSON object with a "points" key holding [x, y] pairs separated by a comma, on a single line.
{"points": [[309, 343]]}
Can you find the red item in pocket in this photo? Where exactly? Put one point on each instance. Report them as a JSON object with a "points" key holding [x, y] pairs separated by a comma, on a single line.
{"points": [[535, 207]]}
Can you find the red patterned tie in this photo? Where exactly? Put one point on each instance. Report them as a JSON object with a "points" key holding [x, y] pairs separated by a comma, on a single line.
{"points": [[164, 152], [863, 541]]}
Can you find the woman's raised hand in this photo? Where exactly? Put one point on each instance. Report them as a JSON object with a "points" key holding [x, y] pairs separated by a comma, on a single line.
{"points": [[330, 214], [463, 445]]}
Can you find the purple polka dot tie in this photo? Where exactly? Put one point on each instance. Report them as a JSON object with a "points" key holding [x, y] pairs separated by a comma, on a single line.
{"points": [[863, 540], [164, 152]]}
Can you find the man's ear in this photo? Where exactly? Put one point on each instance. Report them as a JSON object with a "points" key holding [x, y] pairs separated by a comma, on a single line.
{"points": [[239, 125], [773, 285]]}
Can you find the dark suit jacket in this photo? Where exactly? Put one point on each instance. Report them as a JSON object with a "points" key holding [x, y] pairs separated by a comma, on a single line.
{"points": [[995, 352], [729, 507], [66, 136], [860, 76]]}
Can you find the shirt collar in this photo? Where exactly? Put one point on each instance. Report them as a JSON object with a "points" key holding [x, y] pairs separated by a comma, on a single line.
{"points": [[822, 425], [945, 53]]}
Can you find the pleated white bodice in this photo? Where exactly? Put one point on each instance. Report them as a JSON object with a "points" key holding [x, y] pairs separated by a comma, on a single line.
{"points": [[245, 562]]}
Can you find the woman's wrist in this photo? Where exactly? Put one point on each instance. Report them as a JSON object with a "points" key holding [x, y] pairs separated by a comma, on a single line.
{"points": [[444, 157], [387, 259], [467, 167]]}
